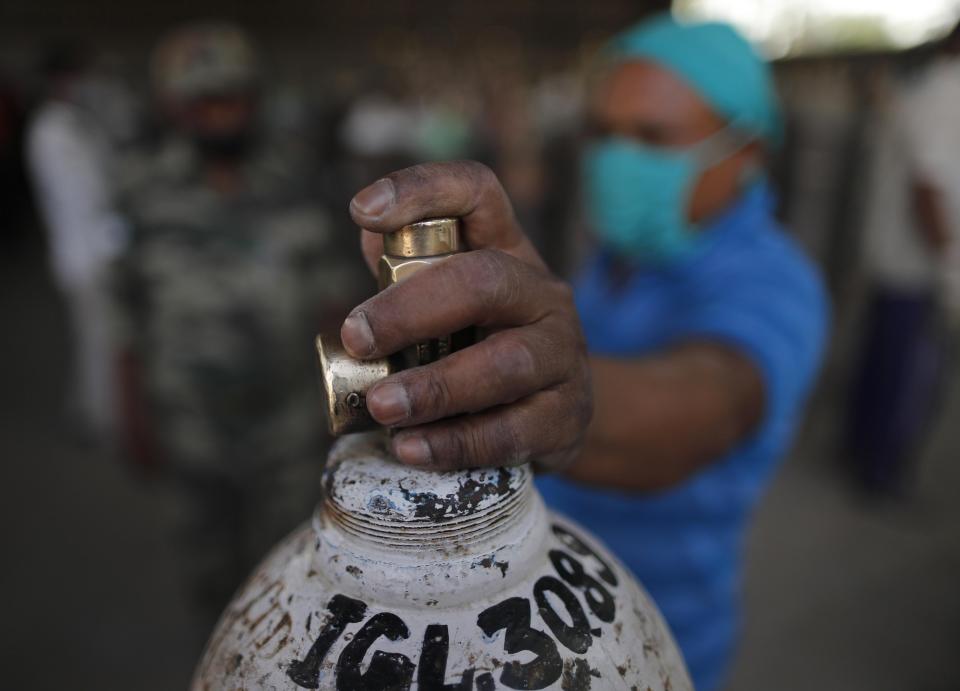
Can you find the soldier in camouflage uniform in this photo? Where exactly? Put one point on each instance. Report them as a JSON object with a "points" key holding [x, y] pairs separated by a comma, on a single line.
{"points": [[233, 269]]}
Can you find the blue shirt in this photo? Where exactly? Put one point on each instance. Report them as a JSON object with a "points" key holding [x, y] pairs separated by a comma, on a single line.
{"points": [[748, 286]]}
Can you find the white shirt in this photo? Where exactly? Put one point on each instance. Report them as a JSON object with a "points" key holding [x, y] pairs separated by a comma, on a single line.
{"points": [[68, 157], [918, 139]]}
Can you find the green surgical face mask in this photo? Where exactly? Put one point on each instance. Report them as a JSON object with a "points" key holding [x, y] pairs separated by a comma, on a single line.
{"points": [[637, 195]]}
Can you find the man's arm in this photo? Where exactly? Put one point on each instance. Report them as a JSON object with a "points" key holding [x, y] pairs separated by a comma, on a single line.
{"points": [[929, 211], [920, 120], [659, 419]]}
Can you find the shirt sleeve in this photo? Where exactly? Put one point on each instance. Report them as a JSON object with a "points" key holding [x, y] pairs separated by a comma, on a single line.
{"points": [[772, 307]]}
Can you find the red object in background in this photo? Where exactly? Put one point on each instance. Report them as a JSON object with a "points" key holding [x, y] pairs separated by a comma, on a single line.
{"points": [[137, 441]]}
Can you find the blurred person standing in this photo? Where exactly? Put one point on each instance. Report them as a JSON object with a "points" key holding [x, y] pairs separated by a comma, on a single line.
{"points": [[704, 321], [232, 269], [705, 325], [70, 158], [913, 258]]}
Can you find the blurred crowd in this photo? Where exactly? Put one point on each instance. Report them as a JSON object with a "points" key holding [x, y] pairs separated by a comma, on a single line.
{"points": [[197, 230], [197, 258]]}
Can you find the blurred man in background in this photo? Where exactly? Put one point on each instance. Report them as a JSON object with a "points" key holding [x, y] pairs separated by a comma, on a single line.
{"points": [[912, 225], [70, 156], [232, 269], [705, 323]]}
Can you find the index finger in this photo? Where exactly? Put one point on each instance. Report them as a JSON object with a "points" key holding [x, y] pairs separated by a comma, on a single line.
{"points": [[465, 189]]}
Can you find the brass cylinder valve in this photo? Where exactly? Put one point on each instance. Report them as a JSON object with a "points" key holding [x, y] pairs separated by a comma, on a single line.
{"points": [[346, 380]]}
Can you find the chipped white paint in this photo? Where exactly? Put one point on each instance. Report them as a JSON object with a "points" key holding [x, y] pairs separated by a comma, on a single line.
{"points": [[413, 580], [402, 496]]}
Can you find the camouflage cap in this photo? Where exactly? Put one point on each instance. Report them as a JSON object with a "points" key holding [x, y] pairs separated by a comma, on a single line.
{"points": [[204, 59]]}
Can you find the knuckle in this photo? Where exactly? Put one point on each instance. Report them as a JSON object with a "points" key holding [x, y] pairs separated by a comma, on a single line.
{"points": [[435, 396], [584, 410], [415, 175], [564, 293], [479, 174], [461, 177], [510, 448], [580, 417], [479, 443], [487, 264], [494, 442], [510, 287], [560, 296], [493, 281], [512, 361], [454, 448], [468, 277], [568, 415], [577, 400], [503, 279], [557, 350], [571, 420], [482, 175]]}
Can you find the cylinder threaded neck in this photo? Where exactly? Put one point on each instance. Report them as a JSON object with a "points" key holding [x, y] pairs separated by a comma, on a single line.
{"points": [[393, 507]]}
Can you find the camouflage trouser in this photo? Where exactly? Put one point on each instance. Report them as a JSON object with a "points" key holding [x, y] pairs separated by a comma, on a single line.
{"points": [[226, 524]]}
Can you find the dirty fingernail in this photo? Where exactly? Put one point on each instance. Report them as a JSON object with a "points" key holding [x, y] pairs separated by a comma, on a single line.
{"points": [[357, 336], [375, 199], [389, 403], [412, 450]]}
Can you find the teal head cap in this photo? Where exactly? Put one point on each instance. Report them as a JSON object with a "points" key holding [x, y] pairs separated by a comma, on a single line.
{"points": [[716, 61]]}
